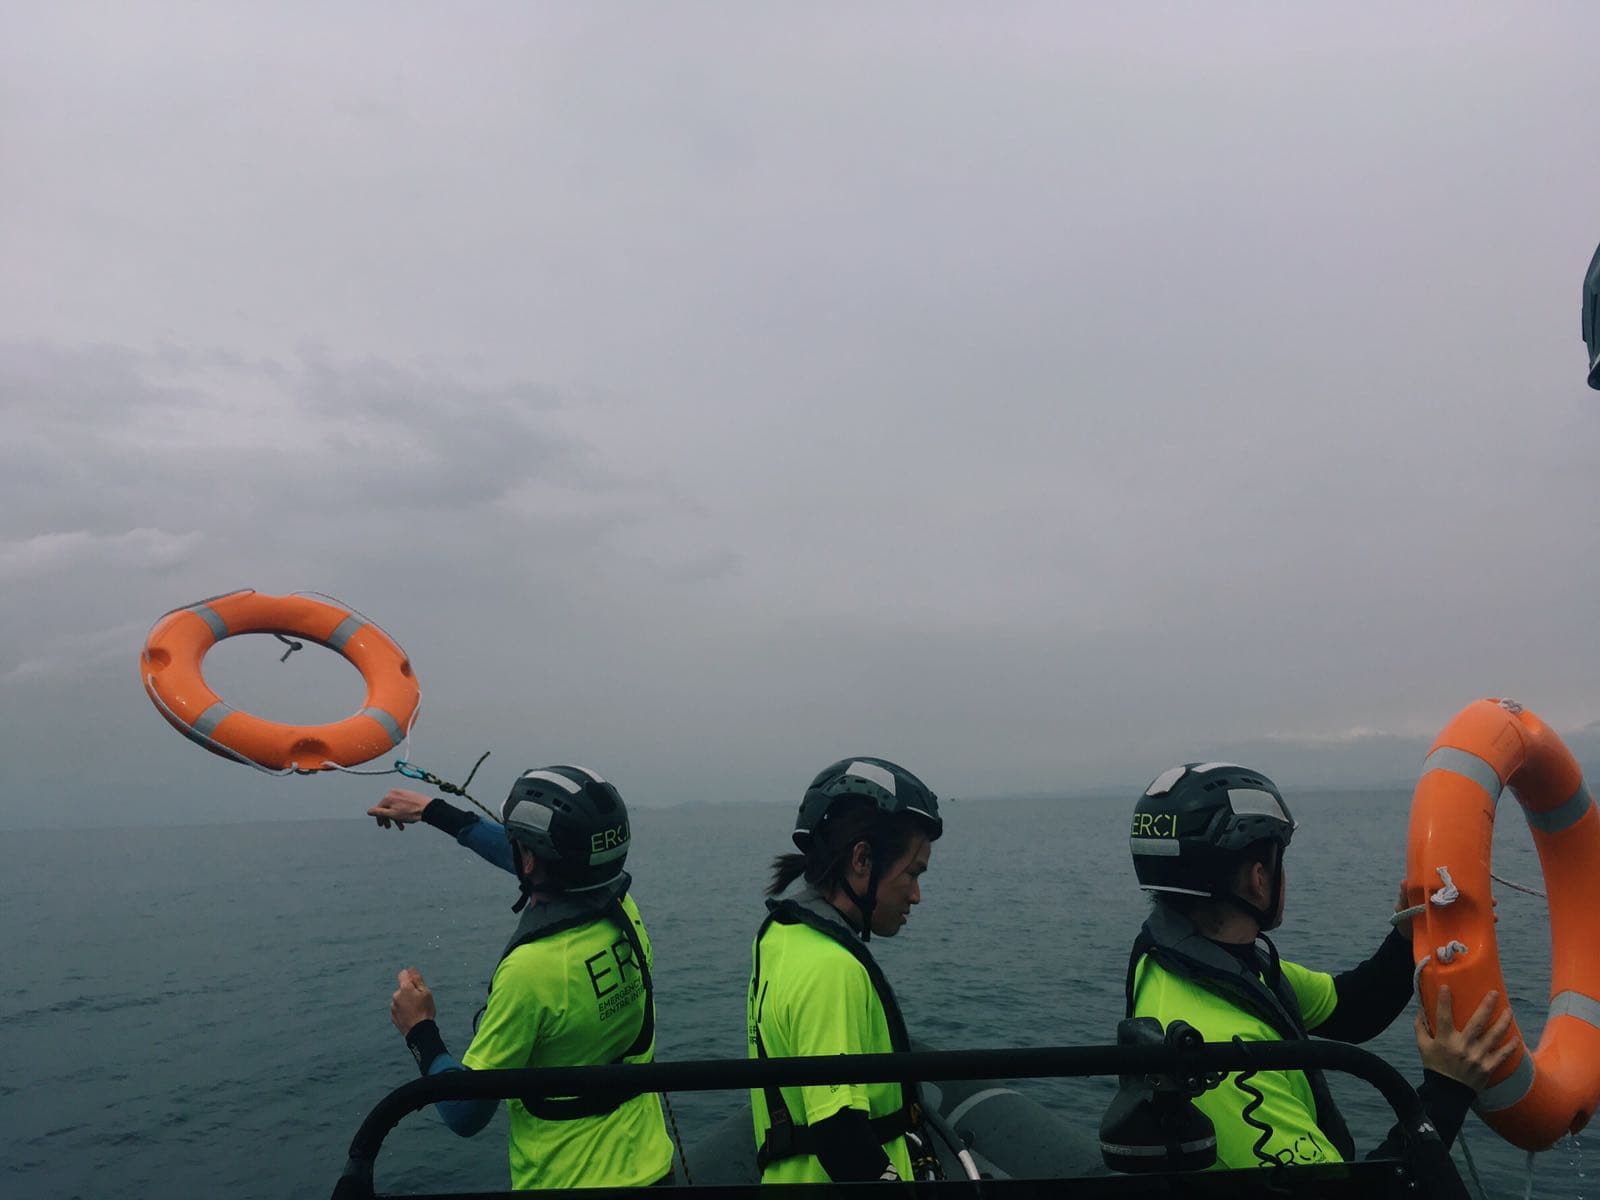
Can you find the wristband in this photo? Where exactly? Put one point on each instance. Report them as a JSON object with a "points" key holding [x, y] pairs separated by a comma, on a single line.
{"points": [[443, 815], [425, 1043]]}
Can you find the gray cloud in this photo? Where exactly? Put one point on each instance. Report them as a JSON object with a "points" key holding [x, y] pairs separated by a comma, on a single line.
{"points": [[1039, 396], [72, 655], [45, 553]]}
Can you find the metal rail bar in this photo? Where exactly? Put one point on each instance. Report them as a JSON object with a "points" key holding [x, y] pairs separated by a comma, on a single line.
{"points": [[1423, 1148]]}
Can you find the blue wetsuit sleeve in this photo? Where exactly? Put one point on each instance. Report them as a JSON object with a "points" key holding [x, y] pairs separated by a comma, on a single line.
{"points": [[490, 843], [483, 838], [465, 1117]]}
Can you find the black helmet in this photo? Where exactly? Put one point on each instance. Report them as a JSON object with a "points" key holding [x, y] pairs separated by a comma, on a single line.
{"points": [[1193, 821], [892, 789], [1591, 318], [573, 821]]}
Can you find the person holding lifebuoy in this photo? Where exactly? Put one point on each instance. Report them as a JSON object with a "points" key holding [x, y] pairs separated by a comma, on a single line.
{"points": [[865, 830], [1208, 842], [572, 987]]}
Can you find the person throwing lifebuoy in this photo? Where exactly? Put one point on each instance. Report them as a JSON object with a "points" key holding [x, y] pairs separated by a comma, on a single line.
{"points": [[572, 987]]}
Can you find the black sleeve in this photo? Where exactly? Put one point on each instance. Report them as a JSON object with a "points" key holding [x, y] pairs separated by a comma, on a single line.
{"points": [[1445, 1101], [1372, 995], [425, 1043], [847, 1148], [447, 817]]}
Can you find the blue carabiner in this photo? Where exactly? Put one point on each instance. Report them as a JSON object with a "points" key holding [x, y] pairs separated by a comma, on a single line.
{"points": [[409, 771]]}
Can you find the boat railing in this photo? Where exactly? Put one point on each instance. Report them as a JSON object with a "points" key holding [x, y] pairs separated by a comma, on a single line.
{"points": [[1422, 1171]]}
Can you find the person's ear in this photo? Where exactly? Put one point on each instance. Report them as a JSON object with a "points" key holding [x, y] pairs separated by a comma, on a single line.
{"points": [[1260, 884], [861, 859]]}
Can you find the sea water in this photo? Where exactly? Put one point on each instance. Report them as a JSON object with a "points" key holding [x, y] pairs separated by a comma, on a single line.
{"points": [[199, 1011]]}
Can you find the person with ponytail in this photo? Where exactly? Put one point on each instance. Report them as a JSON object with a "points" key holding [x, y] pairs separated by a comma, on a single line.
{"points": [[864, 834]]}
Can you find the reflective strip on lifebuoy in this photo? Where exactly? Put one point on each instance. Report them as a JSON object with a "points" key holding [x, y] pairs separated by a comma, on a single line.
{"points": [[1491, 746], [170, 668]]}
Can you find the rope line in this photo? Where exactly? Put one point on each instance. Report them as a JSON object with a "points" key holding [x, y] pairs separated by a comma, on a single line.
{"points": [[1472, 1167], [1405, 914], [1517, 887], [217, 747], [209, 742], [405, 768], [666, 1102], [1449, 893], [405, 749]]}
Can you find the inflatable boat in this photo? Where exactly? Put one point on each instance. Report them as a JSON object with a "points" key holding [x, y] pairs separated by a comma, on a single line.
{"points": [[992, 1140]]}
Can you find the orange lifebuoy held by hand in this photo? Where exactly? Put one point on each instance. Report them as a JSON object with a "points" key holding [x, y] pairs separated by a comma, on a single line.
{"points": [[1540, 1095], [170, 667]]}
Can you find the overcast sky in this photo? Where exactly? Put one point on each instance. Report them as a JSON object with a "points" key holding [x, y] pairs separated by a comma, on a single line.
{"points": [[1034, 394]]}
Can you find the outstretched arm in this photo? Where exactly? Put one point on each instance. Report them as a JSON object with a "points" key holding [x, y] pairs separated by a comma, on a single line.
{"points": [[1373, 994], [401, 807], [412, 1010]]}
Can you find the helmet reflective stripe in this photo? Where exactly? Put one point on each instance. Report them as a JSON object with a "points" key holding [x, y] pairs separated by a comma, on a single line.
{"points": [[1162, 784], [1253, 800], [1162, 847], [873, 773], [1194, 821], [572, 821], [588, 887], [561, 781], [530, 815], [890, 789]]}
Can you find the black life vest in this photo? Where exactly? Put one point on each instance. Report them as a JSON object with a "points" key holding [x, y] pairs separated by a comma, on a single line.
{"points": [[1172, 940], [569, 910], [786, 1138]]}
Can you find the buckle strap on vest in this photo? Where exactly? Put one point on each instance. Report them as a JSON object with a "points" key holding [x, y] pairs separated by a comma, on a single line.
{"points": [[784, 1138]]}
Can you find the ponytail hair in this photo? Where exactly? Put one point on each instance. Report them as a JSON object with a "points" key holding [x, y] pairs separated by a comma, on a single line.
{"points": [[853, 820]]}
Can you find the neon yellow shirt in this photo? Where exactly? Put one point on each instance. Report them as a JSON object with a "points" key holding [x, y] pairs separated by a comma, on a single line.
{"points": [[569, 1000], [1289, 1108], [813, 997]]}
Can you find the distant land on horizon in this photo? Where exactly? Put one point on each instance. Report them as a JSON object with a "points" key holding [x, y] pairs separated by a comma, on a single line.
{"points": [[1360, 761]]}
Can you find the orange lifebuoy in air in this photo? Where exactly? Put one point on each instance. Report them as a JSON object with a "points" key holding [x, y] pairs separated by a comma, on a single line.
{"points": [[1539, 1095], [170, 667]]}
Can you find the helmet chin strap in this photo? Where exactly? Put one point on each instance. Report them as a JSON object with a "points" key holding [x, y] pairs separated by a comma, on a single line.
{"points": [[524, 879], [865, 904], [525, 890], [1261, 916]]}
